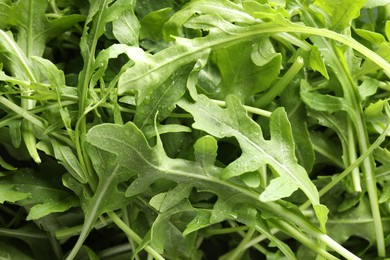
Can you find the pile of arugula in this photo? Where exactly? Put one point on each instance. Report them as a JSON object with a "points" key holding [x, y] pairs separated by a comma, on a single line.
{"points": [[177, 129]]}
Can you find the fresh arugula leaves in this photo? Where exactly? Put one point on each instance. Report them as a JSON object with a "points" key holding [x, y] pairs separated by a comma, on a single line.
{"points": [[192, 129]]}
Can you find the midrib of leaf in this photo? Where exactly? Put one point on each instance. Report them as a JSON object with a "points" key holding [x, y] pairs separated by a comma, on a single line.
{"points": [[91, 215], [247, 33], [91, 58], [20, 56], [155, 106], [30, 40], [31, 118], [209, 181], [355, 221], [81, 127], [234, 13], [21, 234]]}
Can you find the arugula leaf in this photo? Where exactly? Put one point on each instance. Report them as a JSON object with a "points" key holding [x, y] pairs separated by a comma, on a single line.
{"points": [[341, 12], [278, 153], [240, 75], [33, 27], [27, 187], [114, 127]]}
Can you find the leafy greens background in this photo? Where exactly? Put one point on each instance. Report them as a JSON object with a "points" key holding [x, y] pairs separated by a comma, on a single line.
{"points": [[194, 129]]}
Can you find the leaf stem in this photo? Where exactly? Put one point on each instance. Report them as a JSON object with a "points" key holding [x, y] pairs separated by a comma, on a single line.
{"points": [[294, 232], [134, 236], [352, 155], [253, 110], [352, 166], [337, 247], [281, 84]]}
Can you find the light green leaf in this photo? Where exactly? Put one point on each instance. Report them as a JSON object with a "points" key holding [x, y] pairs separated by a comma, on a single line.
{"points": [[279, 187], [201, 220], [167, 200], [278, 152], [6, 165], [297, 115], [373, 37], [206, 150], [316, 61], [376, 3], [126, 28], [152, 24], [68, 159], [161, 102], [341, 12], [368, 88], [325, 103], [263, 52], [387, 30], [34, 29], [151, 71], [52, 206], [228, 10], [240, 76], [127, 148], [9, 193]]}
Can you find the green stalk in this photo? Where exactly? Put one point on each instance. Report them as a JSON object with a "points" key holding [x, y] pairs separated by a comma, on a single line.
{"points": [[83, 86], [28, 132], [285, 215], [281, 84], [253, 110], [340, 66], [352, 166], [21, 112], [304, 240], [240, 249], [134, 236], [368, 166], [352, 156], [337, 247]]}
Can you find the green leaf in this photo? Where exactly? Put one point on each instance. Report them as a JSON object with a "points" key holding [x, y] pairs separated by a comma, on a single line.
{"points": [[152, 24], [28, 241], [10, 251], [376, 3], [316, 61], [206, 150], [368, 88], [68, 159], [33, 27], [126, 28], [278, 153], [324, 103], [151, 71], [354, 222], [28, 187], [297, 115], [166, 200], [9, 193], [6, 165], [240, 76], [200, 221], [341, 12], [228, 10], [162, 100], [373, 37]]}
